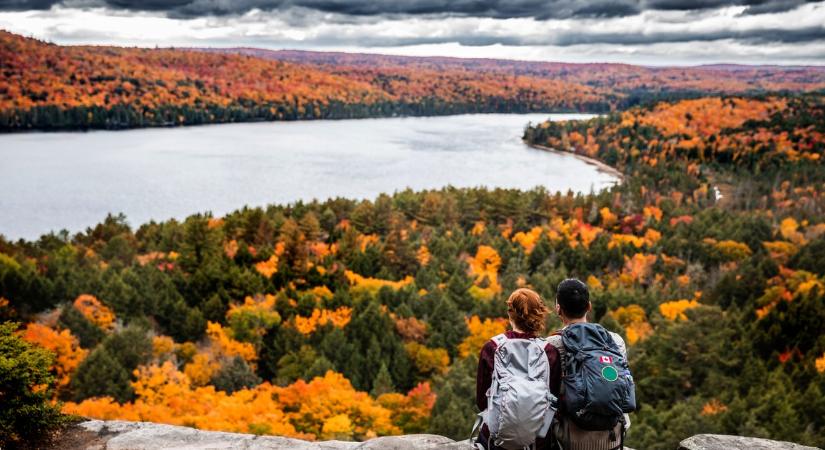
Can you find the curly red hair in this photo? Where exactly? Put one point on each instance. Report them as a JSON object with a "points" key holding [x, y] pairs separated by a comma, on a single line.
{"points": [[527, 311]]}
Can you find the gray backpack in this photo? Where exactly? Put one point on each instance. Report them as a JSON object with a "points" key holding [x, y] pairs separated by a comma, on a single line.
{"points": [[520, 407]]}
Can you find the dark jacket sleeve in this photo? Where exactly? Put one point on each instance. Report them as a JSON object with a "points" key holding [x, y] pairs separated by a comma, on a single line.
{"points": [[554, 358], [484, 376]]}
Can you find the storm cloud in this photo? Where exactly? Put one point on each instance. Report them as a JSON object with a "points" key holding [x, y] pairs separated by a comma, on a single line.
{"points": [[653, 32], [499, 9]]}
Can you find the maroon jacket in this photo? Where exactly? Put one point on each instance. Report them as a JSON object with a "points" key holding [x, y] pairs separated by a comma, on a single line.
{"points": [[484, 377]]}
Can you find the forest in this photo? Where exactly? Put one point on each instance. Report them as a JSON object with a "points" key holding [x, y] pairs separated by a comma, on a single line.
{"points": [[344, 319], [49, 87], [620, 78]]}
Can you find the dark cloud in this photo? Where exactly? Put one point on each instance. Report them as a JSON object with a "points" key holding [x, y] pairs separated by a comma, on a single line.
{"points": [[773, 6], [539, 9], [25, 5], [581, 37], [754, 36]]}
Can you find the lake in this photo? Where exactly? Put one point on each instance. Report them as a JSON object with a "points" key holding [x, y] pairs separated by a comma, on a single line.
{"points": [[53, 181]]}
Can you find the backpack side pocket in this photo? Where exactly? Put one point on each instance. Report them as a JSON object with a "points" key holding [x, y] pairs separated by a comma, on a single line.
{"points": [[629, 400]]}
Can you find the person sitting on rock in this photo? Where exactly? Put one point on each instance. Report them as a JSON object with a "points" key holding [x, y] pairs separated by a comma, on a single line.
{"points": [[518, 380], [597, 390]]}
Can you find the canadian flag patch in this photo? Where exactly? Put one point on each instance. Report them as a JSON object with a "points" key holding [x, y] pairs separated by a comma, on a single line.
{"points": [[606, 359]]}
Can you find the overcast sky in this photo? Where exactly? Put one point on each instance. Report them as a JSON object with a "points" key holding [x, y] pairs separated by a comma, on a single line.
{"points": [[653, 32]]}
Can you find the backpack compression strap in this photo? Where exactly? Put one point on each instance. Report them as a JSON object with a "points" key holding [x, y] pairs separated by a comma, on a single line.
{"points": [[548, 417], [477, 425]]}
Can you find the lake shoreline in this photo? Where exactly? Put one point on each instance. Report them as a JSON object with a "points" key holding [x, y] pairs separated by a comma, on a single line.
{"points": [[173, 125], [600, 165], [155, 174]]}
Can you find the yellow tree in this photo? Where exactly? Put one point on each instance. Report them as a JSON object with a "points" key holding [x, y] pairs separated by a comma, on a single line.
{"points": [[634, 321], [484, 267], [675, 310], [318, 404], [428, 360], [480, 333]]}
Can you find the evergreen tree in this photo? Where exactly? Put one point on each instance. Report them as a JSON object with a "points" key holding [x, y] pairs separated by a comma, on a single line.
{"points": [[370, 341], [382, 384], [809, 257], [447, 327], [88, 333], [107, 371], [234, 375], [214, 310], [26, 386], [304, 364], [101, 374], [454, 411], [458, 291]]}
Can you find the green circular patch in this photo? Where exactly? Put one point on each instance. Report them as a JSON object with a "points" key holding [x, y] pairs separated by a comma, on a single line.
{"points": [[610, 373]]}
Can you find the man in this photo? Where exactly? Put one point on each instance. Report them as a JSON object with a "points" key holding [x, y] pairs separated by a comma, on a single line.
{"points": [[572, 306]]}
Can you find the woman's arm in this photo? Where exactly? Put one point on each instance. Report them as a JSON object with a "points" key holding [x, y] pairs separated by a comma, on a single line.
{"points": [[484, 375], [554, 358]]}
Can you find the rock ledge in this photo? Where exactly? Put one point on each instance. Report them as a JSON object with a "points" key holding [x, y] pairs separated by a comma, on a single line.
{"points": [[124, 435], [724, 442]]}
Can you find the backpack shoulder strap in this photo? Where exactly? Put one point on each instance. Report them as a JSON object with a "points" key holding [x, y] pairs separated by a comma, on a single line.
{"points": [[617, 339], [556, 341], [499, 339]]}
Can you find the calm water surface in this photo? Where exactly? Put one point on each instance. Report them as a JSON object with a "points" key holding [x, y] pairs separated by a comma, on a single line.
{"points": [[52, 181]]}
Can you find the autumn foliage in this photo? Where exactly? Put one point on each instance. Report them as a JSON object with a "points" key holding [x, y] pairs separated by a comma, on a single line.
{"points": [[111, 87], [66, 349], [350, 319], [49, 86], [95, 312], [325, 408], [480, 333]]}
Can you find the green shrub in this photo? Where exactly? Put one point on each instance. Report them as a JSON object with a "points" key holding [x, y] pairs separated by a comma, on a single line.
{"points": [[25, 390]]}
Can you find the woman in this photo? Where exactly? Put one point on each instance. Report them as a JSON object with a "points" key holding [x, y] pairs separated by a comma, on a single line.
{"points": [[526, 311]]}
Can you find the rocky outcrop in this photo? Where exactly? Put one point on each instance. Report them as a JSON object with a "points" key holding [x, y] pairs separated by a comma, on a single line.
{"points": [[722, 442], [123, 435]]}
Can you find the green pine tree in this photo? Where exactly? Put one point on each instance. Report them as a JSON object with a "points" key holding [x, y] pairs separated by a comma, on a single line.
{"points": [[382, 384], [27, 413]]}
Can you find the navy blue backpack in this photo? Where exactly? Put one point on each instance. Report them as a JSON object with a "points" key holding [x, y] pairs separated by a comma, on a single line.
{"points": [[597, 387]]}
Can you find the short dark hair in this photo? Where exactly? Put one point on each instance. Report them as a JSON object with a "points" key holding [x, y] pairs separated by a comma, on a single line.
{"points": [[573, 297]]}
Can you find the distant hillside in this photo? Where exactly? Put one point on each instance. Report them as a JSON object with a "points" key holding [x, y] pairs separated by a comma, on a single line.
{"points": [[46, 86], [621, 78]]}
